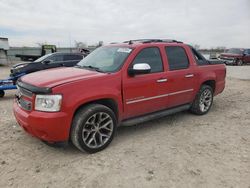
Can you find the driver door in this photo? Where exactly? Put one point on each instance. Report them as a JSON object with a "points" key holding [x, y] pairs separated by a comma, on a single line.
{"points": [[144, 93]]}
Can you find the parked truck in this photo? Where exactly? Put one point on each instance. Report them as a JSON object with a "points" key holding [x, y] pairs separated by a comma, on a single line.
{"points": [[45, 49], [118, 84], [236, 56]]}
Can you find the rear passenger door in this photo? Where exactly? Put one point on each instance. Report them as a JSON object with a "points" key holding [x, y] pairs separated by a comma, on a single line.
{"points": [[180, 76]]}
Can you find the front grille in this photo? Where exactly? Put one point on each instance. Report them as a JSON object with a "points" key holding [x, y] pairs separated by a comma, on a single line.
{"points": [[21, 96], [24, 92], [26, 105]]}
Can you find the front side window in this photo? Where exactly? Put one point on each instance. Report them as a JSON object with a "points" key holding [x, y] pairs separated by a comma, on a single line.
{"points": [[72, 57], [106, 59], [42, 58], [55, 58], [177, 58], [150, 56]]}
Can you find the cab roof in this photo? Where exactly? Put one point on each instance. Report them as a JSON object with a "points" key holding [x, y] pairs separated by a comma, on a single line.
{"points": [[139, 42]]}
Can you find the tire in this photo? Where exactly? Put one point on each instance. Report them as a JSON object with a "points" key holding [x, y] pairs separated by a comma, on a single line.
{"points": [[203, 100], [2, 93], [239, 63], [93, 128]]}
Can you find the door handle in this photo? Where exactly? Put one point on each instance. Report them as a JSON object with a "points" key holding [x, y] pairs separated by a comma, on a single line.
{"points": [[162, 80], [189, 75]]}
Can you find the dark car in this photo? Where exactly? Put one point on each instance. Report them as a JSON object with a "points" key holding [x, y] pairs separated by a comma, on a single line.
{"points": [[48, 61], [236, 56]]}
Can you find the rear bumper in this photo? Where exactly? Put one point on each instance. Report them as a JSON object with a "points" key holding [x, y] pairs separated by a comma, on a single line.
{"points": [[52, 127]]}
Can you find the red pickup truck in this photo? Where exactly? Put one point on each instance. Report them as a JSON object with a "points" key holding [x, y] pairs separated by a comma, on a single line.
{"points": [[118, 84]]}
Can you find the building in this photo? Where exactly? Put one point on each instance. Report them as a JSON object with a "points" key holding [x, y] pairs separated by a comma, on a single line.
{"points": [[4, 47]]}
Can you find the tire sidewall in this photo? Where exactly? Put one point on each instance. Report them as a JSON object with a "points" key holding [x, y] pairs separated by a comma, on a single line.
{"points": [[81, 122], [203, 88]]}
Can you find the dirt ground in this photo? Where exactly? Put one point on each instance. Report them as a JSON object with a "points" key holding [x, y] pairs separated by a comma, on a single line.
{"points": [[182, 150]]}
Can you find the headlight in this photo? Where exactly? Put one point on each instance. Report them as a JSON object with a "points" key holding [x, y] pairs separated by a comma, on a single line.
{"points": [[48, 103]]}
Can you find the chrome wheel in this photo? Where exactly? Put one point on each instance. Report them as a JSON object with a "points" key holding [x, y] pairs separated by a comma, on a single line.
{"points": [[97, 130], [205, 100]]}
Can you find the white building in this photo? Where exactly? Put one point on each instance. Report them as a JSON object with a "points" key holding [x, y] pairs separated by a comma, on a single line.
{"points": [[4, 47]]}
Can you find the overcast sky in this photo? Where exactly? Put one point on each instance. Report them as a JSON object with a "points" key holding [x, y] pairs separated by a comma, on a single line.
{"points": [[209, 23]]}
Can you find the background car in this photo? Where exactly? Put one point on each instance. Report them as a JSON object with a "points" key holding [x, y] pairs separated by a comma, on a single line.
{"points": [[236, 56], [48, 61]]}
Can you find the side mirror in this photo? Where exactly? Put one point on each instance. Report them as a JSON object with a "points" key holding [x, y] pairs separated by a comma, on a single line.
{"points": [[140, 68], [46, 62], [245, 53]]}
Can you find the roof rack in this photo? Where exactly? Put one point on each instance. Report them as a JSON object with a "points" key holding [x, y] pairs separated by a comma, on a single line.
{"points": [[151, 40]]}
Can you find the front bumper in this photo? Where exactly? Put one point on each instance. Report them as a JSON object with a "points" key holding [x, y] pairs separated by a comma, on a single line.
{"points": [[51, 127]]}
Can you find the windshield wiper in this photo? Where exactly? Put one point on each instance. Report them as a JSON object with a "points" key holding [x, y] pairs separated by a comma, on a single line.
{"points": [[92, 68]]}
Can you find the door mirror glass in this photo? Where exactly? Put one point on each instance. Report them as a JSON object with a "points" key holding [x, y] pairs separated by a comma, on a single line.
{"points": [[140, 68]]}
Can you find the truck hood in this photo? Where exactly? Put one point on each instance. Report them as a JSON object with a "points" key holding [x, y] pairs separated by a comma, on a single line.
{"points": [[54, 77]]}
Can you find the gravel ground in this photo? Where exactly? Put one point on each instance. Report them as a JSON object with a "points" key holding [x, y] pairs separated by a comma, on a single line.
{"points": [[182, 150]]}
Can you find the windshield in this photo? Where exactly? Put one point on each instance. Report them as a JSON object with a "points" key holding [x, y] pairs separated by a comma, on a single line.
{"points": [[106, 59], [235, 51], [42, 58]]}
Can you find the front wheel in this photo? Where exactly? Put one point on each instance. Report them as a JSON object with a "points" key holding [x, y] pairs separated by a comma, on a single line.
{"points": [[93, 128], [203, 100]]}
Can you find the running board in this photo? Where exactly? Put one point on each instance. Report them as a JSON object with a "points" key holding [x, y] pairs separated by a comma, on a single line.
{"points": [[154, 115]]}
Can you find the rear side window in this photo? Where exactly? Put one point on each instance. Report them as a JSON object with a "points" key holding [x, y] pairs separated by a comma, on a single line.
{"points": [[177, 58], [72, 57], [150, 56]]}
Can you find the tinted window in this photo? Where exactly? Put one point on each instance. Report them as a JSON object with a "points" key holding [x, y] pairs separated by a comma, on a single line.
{"points": [[55, 58], [72, 57], [177, 58], [150, 56]]}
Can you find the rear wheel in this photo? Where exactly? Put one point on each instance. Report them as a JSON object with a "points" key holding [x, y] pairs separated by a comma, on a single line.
{"points": [[203, 100], [2, 93], [240, 63], [93, 128]]}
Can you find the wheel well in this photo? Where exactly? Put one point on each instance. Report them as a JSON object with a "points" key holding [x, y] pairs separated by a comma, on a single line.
{"points": [[106, 102], [211, 83]]}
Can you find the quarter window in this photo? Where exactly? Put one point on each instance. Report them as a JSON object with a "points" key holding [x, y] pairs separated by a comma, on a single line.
{"points": [[150, 56], [177, 58]]}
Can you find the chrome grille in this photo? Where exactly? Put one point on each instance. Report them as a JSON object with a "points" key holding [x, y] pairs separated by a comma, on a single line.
{"points": [[20, 98], [26, 105], [24, 92]]}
